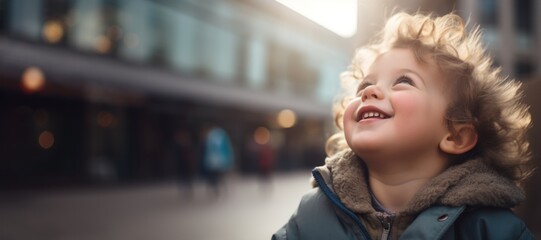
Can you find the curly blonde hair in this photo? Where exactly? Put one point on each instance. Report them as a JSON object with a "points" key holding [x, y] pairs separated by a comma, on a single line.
{"points": [[492, 103]]}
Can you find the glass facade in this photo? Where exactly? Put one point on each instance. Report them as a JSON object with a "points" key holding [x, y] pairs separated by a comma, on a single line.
{"points": [[525, 37], [522, 33], [124, 83], [211, 40]]}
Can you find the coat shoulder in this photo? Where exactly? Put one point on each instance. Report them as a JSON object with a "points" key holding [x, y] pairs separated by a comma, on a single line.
{"points": [[315, 218], [489, 223]]}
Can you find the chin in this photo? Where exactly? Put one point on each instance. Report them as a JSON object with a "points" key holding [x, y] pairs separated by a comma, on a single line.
{"points": [[359, 146]]}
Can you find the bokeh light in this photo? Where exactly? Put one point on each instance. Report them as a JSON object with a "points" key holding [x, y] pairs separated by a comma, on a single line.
{"points": [[53, 31], [262, 135], [46, 139], [286, 118], [32, 80], [103, 44]]}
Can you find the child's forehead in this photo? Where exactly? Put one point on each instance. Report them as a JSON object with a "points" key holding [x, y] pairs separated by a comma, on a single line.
{"points": [[403, 59]]}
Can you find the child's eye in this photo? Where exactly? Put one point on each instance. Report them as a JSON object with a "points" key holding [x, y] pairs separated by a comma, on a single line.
{"points": [[404, 80]]}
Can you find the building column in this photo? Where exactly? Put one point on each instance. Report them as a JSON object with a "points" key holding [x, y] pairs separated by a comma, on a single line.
{"points": [[469, 11], [506, 49], [537, 37]]}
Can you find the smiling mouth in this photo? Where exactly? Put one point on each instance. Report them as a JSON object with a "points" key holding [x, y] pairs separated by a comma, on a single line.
{"points": [[372, 115]]}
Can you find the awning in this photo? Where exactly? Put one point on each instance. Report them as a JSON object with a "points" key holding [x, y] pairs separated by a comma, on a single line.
{"points": [[73, 68]]}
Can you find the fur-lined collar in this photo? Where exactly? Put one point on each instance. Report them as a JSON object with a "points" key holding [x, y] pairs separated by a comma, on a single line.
{"points": [[471, 183]]}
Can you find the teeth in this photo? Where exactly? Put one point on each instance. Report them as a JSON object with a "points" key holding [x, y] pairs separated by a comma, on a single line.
{"points": [[372, 115]]}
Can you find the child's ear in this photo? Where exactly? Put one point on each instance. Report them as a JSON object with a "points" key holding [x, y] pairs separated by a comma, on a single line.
{"points": [[463, 139]]}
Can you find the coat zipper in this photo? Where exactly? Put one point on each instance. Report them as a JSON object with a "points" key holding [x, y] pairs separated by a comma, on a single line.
{"points": [[386, 222], [334, 199]]}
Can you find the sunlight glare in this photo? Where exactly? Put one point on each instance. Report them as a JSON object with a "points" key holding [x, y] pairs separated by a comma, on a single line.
{"points": [[339, 16]]}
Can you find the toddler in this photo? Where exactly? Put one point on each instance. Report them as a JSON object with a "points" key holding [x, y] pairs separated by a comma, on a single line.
{"points": [[432, 142]]}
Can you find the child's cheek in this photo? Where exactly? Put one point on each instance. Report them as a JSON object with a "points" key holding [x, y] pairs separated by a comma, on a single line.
{"points": [[409, 109], [349, 111]]}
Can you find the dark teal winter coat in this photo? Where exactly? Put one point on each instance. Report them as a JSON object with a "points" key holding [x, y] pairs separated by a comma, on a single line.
{"points": [[469, 201]]}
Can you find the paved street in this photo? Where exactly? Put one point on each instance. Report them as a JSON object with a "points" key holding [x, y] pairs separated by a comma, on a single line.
{"points": [[248, 210]]}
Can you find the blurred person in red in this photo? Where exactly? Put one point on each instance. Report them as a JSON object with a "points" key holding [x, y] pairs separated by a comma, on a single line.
{"points": [[266, 165]]}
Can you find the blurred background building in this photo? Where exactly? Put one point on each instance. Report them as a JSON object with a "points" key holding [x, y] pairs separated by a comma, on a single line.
{"points": [[108, 90], [122, 91]]}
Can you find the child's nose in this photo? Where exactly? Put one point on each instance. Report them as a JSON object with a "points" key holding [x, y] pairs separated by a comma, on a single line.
{"points": [[372, 91]]}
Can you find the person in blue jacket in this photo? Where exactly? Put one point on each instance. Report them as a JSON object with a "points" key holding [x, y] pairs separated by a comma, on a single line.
{"points": [[217, 157], [432, 142]]}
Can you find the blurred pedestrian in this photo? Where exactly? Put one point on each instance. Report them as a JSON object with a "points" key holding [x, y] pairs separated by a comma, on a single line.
{"points": [[217, 158], [266, 165]]}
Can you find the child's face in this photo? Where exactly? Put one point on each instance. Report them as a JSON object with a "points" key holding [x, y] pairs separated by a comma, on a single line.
{"points": [[399, 108]]}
